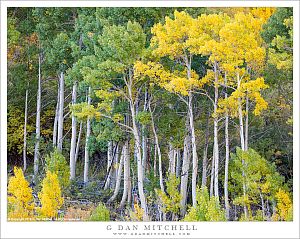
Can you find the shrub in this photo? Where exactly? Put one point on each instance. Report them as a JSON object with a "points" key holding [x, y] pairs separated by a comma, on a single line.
{"points": [[171, 199], [20, 199], [56, 163], [207, 209], [284, 205], [101, 213], [50, 196]]}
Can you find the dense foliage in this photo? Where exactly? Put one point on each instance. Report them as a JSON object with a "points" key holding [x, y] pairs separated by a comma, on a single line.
{"points": [[150, 114]]}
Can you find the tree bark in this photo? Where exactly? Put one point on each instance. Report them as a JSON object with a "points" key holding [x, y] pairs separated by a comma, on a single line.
{"points": [[227, 150], [185, 174], [212, 173], [73, 137], [38, 121], [178, 163], [172, 156], [119, 175], [86, 149], [25, 133], [194, 152], [60, 125], [126, 174], [78, 143], [54, 137], [216, 143], [246, 123], [205, 150], [161, 183], [109, 164], [240, 111]]}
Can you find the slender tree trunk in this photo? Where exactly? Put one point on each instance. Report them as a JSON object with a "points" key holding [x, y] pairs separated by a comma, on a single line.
{"points": [[60, 127], [242, 138], [109, 162], [139, 165], [194, 152], [185, 173], [262, 204], [154, 161], [54, 137], [216, 143], [25, 133], [86, 149], [158, 152], [205, 150], [212, 173], [246, 123], [178, 163], [74, 134], [114, 169], [119, 176], [226, 157], [172, 157], [38, 121], [78, 143], [126, 174]]}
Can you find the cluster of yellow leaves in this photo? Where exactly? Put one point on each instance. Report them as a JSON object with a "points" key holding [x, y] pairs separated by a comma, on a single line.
{"points": [[137, 214], [50, 196], [176, 82], [20, 199], [284, 206], [83, 110], [249, 89]]}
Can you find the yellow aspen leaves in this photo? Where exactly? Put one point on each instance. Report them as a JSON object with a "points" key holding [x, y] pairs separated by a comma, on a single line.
{"points": [[50, 196], [20, 199]]}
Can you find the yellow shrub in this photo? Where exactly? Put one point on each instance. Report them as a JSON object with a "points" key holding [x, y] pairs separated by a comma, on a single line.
{"points": [[20, 199], [284, 205], [50, 196]]}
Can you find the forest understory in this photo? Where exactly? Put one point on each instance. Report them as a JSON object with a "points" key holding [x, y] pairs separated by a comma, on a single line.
{"points": [[150, 114]]}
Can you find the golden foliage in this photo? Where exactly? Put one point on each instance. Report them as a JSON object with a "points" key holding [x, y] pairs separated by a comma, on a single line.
{"points": [[20, 199], [50, 196]]}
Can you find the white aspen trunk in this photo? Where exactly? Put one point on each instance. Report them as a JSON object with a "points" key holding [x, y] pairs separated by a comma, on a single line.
{"points": [[216, 143], [193, 138], [154, 162], [246, 123], [25, 133], [78, 143], [185, 174], [161, 183], [38, 122], [144, 148], [194, 152], [86, 149], [114, 169], [60, 125], [109, 162], [242, 138], [172, 161], [119, 176], [139, 165], [126, 174], [227, 150], [74, 134], [54, 137], [178, 163], [212, 173], [205, 150]]}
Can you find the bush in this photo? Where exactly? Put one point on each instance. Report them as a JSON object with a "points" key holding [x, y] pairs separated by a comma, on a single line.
{"points": [[50, 196], [20, 199], [56, 163], [171, 199], [284, 206], [101, 213], [207, 209]]}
